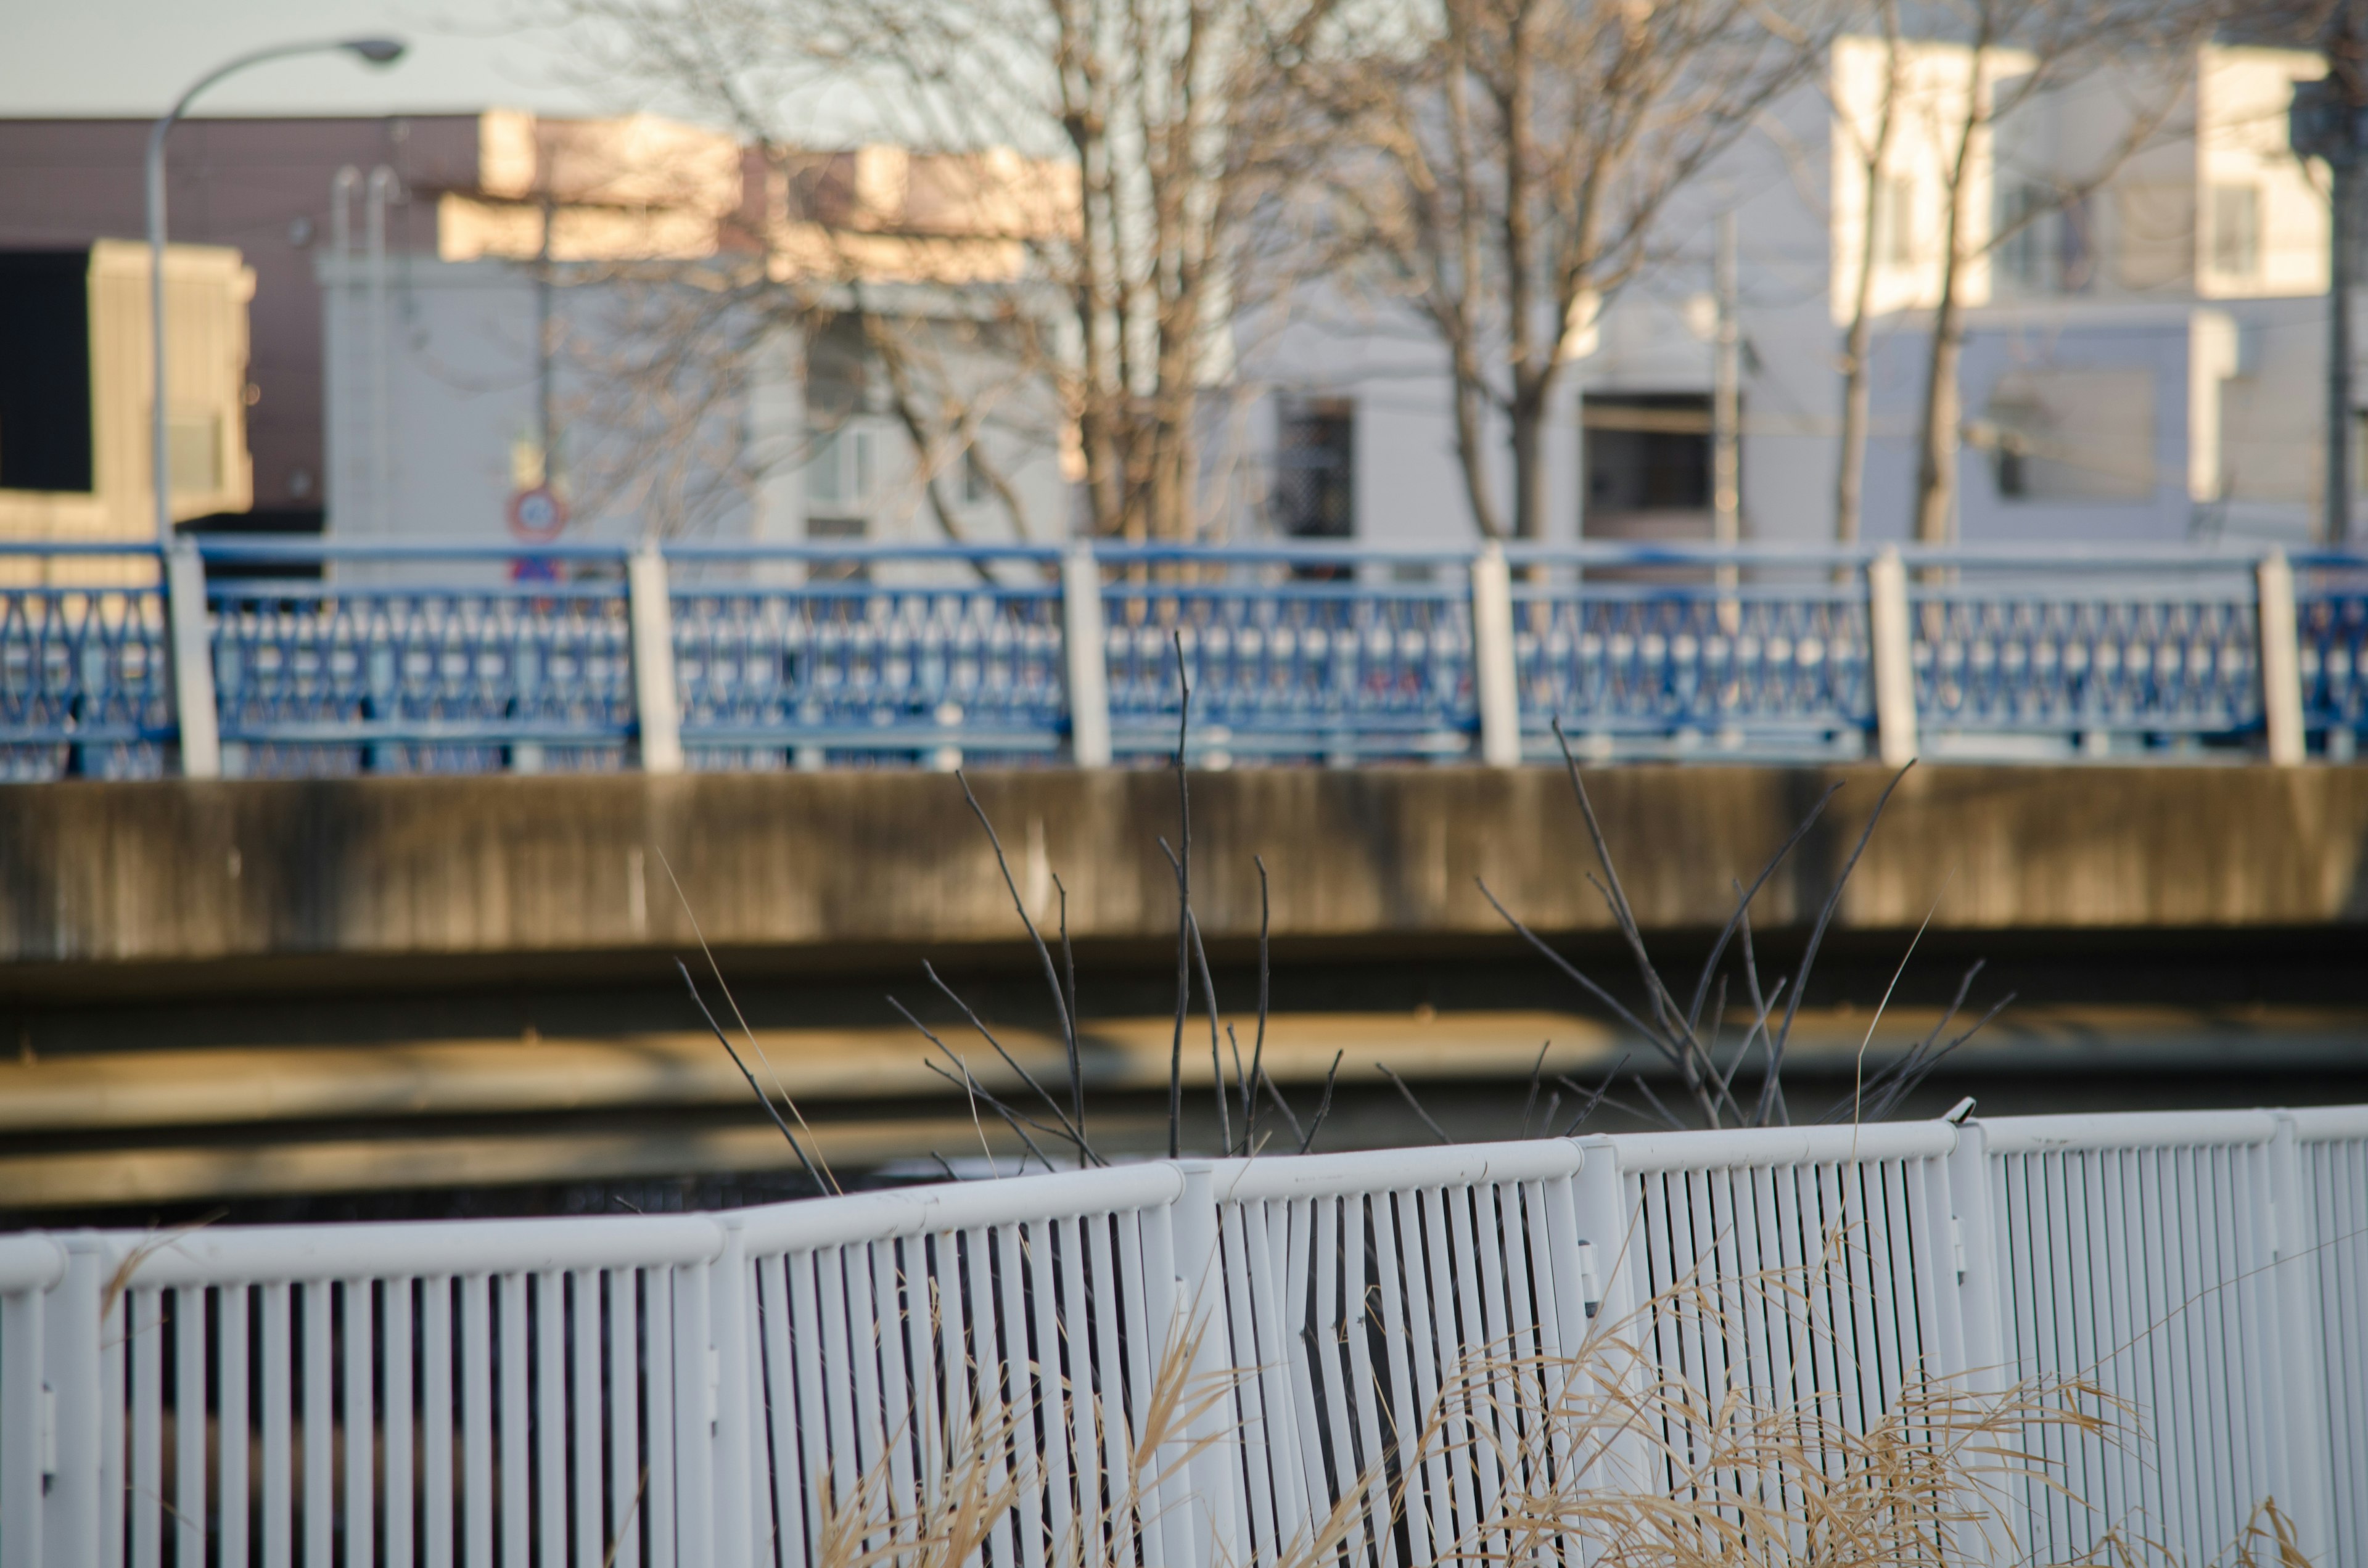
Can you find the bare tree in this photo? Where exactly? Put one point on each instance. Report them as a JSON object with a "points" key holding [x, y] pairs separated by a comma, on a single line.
{"points": [[1872, 150], [1116, 151], [1503, 165], [1987, 62]]}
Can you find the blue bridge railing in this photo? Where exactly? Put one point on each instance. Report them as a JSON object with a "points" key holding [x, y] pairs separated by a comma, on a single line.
{"points": [[276, 656]]}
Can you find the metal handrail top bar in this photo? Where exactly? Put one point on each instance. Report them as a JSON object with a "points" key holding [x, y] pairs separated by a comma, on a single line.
{"points": [[2319, 1124], [279, 547], [39, 547], [1333, 1176], [2174, 1129], [29, 1263], [961, 1206], [229, 546], [413, 1248], [809, 550], [1741, 1147], [1308, 551]]}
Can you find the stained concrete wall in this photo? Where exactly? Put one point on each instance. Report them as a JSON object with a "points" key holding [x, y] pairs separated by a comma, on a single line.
{"points": [[101, 875]]}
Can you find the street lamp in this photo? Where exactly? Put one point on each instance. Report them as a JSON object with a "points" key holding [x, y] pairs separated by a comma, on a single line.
{"points": [[376, 51]]}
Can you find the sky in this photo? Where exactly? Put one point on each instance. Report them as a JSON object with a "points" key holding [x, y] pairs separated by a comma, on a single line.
{"points": [[134, 57]]}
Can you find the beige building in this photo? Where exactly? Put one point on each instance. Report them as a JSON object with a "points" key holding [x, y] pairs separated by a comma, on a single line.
{"points": [[77, 389]]}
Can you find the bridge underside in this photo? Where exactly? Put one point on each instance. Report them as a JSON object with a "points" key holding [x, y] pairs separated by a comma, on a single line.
{"points": [[432, 994]]}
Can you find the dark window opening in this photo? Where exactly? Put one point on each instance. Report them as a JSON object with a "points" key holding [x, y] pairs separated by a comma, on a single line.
{"points": [[45, 435], [1315, 489], [837, 357], [1647, 465]]}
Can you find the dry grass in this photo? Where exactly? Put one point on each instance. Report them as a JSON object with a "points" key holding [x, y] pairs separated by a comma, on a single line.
{"points": [[1604, 1456]]}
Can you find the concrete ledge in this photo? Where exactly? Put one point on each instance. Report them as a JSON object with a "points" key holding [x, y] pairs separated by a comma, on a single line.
{"points": [[160, 873]]}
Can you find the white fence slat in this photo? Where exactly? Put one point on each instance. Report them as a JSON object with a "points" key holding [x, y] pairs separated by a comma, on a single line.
{"points": [[360, 1422], [659, 1423], [549, 1420], [478, 1462], [146, 1498], [790, 1550], [278, 1389], [437, 1514], [400, 1406], [628, 1484], [236, 1370], [318, 1382], [190, 1467]]}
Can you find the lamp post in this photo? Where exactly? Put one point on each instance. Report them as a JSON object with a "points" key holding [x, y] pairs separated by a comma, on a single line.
{"points": [[377, 51]]}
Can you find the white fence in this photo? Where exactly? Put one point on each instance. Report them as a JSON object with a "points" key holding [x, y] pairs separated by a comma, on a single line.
{"points": [[673, 1391]]}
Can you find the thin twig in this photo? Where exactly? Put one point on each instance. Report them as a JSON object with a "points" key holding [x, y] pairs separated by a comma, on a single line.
{"points": [[1070, 1129], [1593, 1098], [1530, 1104], [1044, 955], [741, 1018], [1267, 1080], [1441, 1133], [1183, 908], [1258, 1050], [754, 1087], [1816, 935], [1324, 1107]]}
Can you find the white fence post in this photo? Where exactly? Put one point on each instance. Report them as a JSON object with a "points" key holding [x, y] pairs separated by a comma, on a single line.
{"points": [[2310, 1465], [1219, 1526], [70, 1353], [193, 661], [1496, 675], [657, 704], [2281, 658], [1893, 658], [730, 1284], [1084, 657]]}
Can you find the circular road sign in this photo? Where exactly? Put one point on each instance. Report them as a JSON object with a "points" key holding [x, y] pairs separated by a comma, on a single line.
{"points": [[537, 515]]}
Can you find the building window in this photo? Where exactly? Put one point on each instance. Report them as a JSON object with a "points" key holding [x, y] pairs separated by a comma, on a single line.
{"points": [[2071, 437], [2236, 230], [1314, 495], [45, 371], [1647, 465], [975, 490], [2027, 251], [1894, 219], [839, 470]]}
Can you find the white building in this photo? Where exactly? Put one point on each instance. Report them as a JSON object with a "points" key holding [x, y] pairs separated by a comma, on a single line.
{"points": [[2146, 364]]}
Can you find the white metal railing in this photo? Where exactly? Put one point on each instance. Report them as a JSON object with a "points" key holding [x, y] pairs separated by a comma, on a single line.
{"points": [[672, 1392]]}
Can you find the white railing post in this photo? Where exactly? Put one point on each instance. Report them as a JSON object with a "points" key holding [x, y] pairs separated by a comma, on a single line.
{"points": [[1892, 659], [70, 1353], [1084, 656], [1495, 681], [657, 704], [731, 1283], [1220, 1527], [698, 1375], [2306, 1478], [193, 661], [2281, 658]]}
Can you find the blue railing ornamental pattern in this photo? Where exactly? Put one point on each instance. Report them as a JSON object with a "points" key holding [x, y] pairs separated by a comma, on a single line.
{"points": [[85, 688], [2179, 655], [919, 653], [374, 670], [1748, 667], [1334, 655], [2331, 623], [332, 656]]}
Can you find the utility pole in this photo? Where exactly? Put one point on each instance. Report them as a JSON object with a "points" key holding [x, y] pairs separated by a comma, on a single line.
{"points": [[2326, 121], [1727, 375]]}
